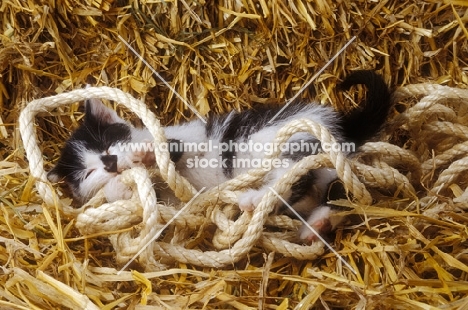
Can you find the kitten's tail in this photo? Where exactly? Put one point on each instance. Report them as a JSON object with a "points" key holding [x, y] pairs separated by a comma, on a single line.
{"points": [[366, 120]]}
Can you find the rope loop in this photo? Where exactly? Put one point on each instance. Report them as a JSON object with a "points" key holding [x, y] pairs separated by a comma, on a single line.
{"points": [[430, 147]]}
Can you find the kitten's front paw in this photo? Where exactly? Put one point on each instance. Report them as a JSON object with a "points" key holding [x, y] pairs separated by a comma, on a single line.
{"points": [[149, 160], [250, 199], [115, 190], [146, 158], [142, 158]]}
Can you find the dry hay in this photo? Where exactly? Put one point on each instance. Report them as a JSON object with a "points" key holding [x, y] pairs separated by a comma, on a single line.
{"points": [[409, 247]]}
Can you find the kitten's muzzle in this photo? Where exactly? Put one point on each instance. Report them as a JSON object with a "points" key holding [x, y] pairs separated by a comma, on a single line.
{"points": [[110, 162]]}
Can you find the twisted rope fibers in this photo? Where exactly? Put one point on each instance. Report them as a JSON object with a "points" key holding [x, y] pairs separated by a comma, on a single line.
{"points": [[378, 165]]}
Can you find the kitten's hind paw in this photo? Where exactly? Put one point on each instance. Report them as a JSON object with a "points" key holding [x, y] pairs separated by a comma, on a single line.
{"points": [[323, 220], [321, 227]]}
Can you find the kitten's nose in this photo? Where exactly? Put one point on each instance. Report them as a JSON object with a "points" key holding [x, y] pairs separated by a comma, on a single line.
{"points": [[110, 162]]}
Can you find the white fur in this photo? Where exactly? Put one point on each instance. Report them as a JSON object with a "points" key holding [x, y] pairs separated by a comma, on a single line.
{"points": [[97, 177], [194, 132], [115, 190]]}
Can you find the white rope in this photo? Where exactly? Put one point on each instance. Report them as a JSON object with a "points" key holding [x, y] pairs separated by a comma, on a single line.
{"points": [[380, 165]]}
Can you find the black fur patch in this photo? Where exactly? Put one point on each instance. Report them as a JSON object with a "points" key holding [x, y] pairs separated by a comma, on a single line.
{"points": [[239, 126]]}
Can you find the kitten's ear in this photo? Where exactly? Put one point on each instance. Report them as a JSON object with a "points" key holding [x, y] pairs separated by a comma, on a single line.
{"points": [[97, 112]]}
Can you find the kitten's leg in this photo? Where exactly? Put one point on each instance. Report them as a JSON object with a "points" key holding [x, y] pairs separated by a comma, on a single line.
{"points": [[312, 185], [250, 199], [323, 219]]}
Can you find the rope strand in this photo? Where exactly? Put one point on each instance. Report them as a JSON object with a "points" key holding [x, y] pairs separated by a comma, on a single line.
{"points": [[379, 165]]}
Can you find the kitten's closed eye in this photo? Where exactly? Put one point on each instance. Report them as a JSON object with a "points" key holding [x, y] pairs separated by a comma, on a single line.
{"points": [[89, 173]]}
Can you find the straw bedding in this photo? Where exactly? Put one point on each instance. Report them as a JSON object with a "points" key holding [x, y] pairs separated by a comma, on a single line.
{"points": [[406, 236]]}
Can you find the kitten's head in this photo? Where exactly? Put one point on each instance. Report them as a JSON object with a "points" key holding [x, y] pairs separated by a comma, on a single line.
{"points": [[93, 155]]}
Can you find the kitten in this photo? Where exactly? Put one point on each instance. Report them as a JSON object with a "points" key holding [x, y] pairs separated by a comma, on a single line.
{"points": [[91, 159], [225, 147]]}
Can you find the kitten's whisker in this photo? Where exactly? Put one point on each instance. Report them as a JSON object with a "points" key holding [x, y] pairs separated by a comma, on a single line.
{"points": [[314, 231], [161, 230], [191, 107], [312, 79]]}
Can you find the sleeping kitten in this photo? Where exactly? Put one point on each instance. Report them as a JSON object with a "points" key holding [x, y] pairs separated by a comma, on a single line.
{"points": [[91, 158], [227, 146]]}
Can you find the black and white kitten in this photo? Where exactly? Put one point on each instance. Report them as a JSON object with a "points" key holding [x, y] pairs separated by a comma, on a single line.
{"points": [[223, 148]]}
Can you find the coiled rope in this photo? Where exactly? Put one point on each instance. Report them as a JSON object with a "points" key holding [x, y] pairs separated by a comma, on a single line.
{"points": [[380, 165]]}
